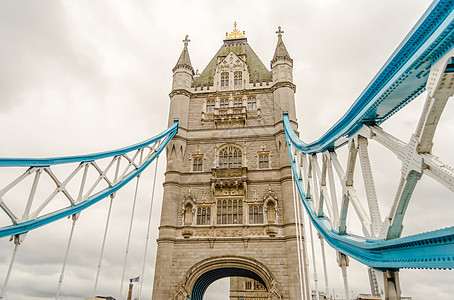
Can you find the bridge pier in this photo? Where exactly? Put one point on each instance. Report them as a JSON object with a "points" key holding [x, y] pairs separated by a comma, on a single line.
{"points": [[392, 285]]}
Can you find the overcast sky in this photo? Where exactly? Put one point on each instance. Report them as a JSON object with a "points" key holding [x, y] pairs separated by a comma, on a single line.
{"points": [[84, 76]]}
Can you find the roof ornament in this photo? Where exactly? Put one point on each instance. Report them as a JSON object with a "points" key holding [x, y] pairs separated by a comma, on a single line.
{"points": [[279, 32], [235, 34], [186, 40]]}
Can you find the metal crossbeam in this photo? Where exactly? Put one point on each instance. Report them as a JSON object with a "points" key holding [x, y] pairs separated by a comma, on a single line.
{"points": [[123, 165], [381, 245]]}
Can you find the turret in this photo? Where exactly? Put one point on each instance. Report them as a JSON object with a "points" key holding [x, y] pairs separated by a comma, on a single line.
{"points": [[183, 77], [282, 63], [183, 73], [284, 89]]}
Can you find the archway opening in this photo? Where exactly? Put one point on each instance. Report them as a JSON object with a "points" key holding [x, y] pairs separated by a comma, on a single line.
{"points": [[211, 276]]}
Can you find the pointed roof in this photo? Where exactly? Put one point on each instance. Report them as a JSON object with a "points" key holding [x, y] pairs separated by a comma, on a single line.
{"points": [[281, 52], [257, 70], [184, 61]]}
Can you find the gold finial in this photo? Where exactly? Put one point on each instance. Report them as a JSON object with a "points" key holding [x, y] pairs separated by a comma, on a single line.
{"points": [[279, 32], [235, 34]]}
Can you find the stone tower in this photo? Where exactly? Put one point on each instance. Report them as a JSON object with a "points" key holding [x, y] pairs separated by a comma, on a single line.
{"points": [[227, 206]]}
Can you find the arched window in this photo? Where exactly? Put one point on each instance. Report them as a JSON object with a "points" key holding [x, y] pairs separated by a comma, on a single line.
{"points": [[224, 103], [255, 214], [224, 79], [197, 164], [264, 161], [210, 106], [251, 103], [237, 78], [230, 211], [230, 157], [237, 102], [203, 215]]}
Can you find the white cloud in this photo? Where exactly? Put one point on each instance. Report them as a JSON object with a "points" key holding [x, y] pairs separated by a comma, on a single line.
{"points": [[87, 76]]}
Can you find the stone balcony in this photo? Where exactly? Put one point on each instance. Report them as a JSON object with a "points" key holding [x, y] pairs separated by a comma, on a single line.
{"points": [[229, 182], [230, 117]]}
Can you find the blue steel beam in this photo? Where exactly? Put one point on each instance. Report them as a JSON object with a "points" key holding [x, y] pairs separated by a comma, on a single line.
{"points": [[400, 80], [45, 162], [433, 250], [29, 225]]}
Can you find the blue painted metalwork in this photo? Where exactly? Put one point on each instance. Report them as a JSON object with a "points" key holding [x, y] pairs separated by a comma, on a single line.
{"points": [[400, 80], [433, 249], [44, 162], [209, 277], [26, 226]]}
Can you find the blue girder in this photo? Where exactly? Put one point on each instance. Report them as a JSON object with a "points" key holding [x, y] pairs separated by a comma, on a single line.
{"points": [[433, 249], [44, 162], [26, 226], [400, 80]]}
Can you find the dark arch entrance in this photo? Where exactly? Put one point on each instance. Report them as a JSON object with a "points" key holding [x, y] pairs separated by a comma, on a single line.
{"points": [[211, 276]]}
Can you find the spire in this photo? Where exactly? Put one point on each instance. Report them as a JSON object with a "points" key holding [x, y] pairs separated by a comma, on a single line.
{"points": [[281, 52], [184, 61]]}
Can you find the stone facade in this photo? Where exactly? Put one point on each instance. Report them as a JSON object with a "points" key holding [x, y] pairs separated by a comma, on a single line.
{"points": [[227, 205]]}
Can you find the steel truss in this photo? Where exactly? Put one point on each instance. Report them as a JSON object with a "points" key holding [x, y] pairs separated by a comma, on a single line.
{"points": [[381, 246], [423, 61], [95, 181]]}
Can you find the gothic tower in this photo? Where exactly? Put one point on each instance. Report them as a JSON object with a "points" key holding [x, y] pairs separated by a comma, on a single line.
{"points": [[227, 207]]}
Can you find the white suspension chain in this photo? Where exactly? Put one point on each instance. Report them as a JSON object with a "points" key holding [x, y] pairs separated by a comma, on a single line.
{"points": [[148, 228], [313, 262], [60, 280], [105, 230], [17, 242], [129, 235], [297, 229], [325, 270], [103, 245]]}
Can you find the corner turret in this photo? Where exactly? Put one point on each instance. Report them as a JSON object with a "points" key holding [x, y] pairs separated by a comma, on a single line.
{"points": [[183, 78], [282, 63], [183, 72], [282, 72]]}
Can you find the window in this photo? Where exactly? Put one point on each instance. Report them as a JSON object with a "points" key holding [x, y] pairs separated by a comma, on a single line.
{"points": [[224, 79], [237, 102], [264, 161], [230, 211], [224, 103], [203, 215], [252, 103], [237, 78], [248, 285], [255, 214], [230, 157], [210, 106], [197, 164]]}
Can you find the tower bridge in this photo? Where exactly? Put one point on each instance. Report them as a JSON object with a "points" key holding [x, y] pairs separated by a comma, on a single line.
{"points": [[243, 193]]}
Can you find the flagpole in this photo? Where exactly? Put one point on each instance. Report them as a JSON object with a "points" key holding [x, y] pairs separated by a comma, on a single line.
{"points": [[130, 289]]}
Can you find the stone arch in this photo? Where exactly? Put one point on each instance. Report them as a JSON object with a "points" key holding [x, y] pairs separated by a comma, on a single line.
{"points": [[205, 272]]}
